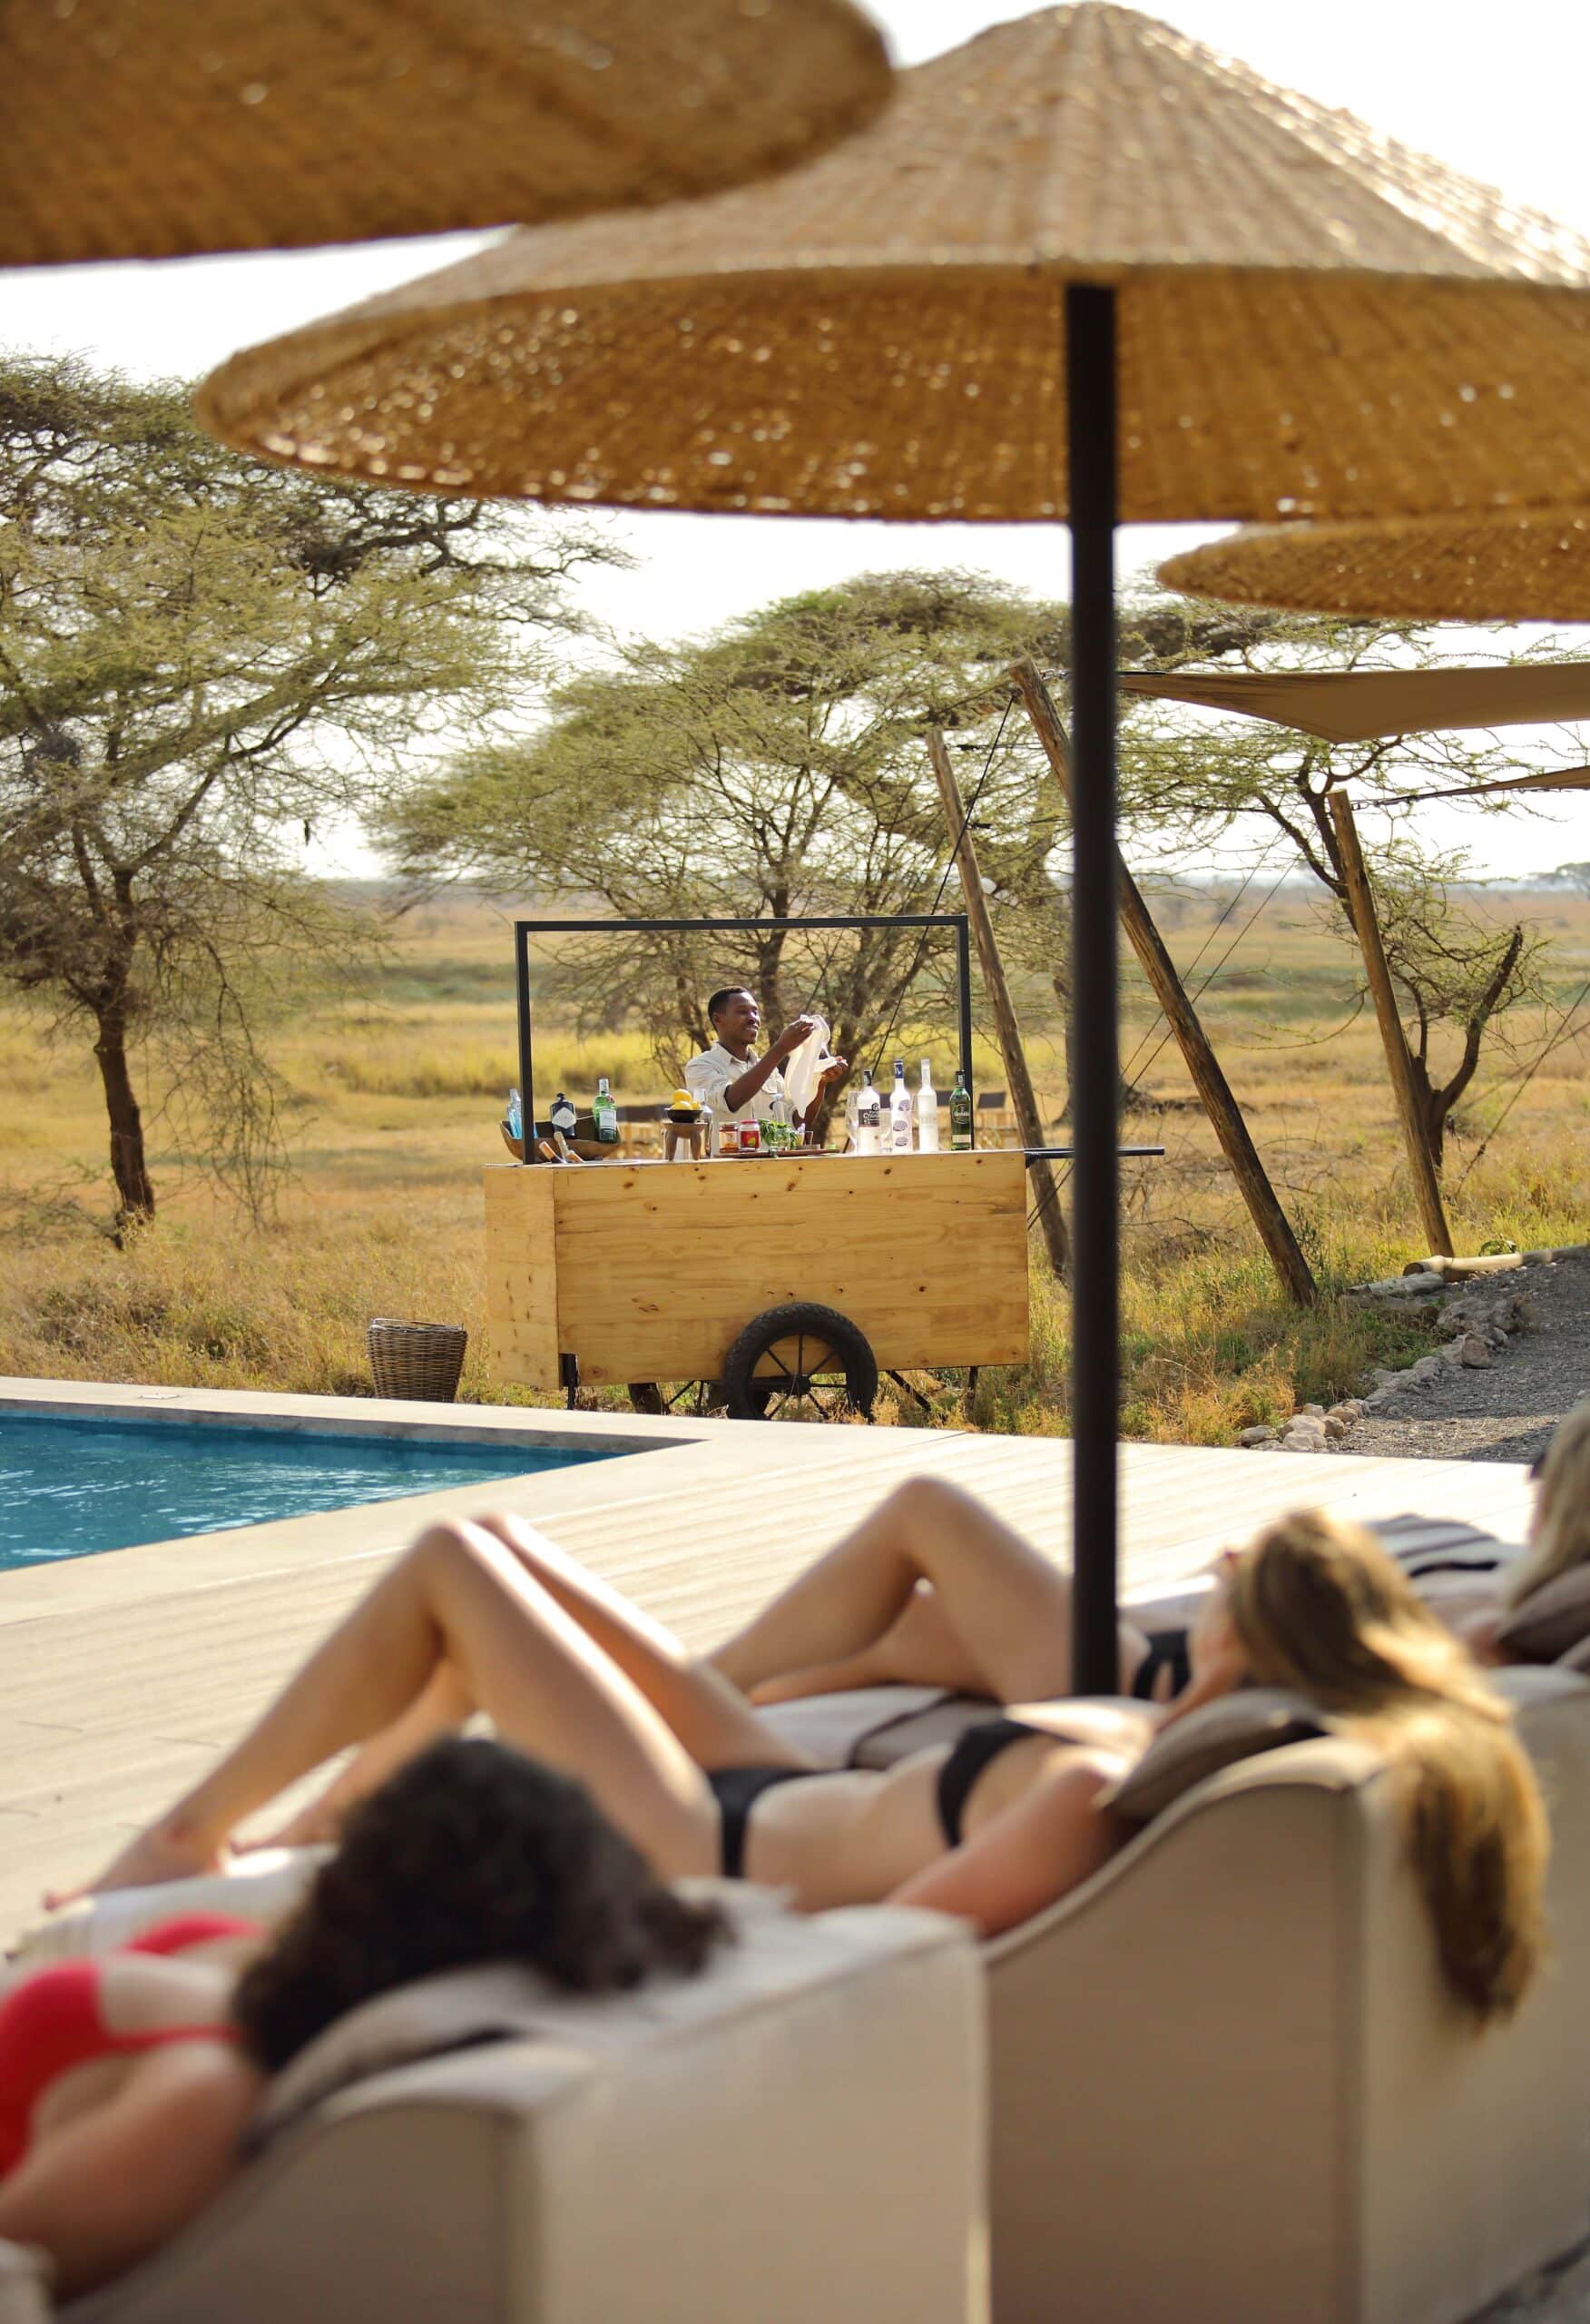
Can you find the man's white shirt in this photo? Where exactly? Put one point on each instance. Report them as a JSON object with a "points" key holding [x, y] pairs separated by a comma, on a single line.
{"points": [[708, 1076]]}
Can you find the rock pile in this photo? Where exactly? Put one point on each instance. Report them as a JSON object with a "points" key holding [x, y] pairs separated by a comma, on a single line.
{"points": [[1474, 1315], [1313, 1428]]}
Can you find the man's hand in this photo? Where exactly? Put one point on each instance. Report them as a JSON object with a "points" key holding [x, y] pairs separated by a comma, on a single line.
{"points": [[790, 1039], [835, 1070]]}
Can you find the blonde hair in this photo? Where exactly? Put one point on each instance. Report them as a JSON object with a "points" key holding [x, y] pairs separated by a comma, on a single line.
{"points": [[1559, 1537], [1318, 1607]]}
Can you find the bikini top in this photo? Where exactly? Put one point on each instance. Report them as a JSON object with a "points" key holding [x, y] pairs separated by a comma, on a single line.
{"points": [[52, 2021]]}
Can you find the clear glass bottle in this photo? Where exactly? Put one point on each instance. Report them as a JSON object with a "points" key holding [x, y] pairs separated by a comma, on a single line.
{"points": [[960, 1116], [868, 1116], [516, 1114], [899, 1111], [604, 1115], [927, 1112]]}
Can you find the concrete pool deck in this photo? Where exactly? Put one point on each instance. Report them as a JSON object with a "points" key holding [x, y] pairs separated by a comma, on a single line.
{"points": [[120, 1675]]}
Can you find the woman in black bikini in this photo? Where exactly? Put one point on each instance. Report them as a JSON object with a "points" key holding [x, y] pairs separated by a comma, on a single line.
{"points": [[1009, 1821]]}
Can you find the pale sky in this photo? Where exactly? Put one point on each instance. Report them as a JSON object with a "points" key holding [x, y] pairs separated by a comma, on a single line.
{"points": [[1498, 91]]}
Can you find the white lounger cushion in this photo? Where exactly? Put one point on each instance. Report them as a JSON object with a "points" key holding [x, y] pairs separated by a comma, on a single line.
{"points": [[800, 2133]]}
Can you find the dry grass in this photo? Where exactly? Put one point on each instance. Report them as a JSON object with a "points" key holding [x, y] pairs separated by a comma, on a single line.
{"points": [[393, 1114]]}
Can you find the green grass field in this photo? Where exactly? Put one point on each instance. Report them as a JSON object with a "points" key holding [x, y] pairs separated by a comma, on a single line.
{"points": [[393, 1111]]}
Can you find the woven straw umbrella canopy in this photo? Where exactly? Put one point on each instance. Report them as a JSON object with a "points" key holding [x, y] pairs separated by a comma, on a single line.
{"points": [[1083, 267], [1311, 320], [153, 128], [1518, 564]]}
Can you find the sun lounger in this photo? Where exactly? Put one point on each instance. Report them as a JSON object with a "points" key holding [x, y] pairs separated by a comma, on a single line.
{"points": [[1227, 2081], [797, 2135]]}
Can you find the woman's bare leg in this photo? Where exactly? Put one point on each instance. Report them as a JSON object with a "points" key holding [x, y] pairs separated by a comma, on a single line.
{"points": [[442, 1709], [1000, 1621], [710, 1717], [706, 1710], [460, 1595], [920, 1648]]}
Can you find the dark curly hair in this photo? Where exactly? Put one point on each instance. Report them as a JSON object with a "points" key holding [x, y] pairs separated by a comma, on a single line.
{"points": [[471, 1853]]}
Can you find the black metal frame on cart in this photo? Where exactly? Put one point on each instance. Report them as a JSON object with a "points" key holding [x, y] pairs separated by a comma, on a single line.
{"points": [[524, 929]]}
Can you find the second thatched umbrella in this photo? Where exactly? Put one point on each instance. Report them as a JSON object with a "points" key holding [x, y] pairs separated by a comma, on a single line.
{"points": [[1499, 565], [1082, 268], [154, 128]]}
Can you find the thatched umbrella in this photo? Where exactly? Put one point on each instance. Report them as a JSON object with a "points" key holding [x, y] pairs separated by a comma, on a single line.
{"points": [[1500, 565], [1082, 268], [153, 128]]}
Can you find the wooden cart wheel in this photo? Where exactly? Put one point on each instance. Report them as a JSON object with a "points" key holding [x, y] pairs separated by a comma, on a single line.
{"points": [[799, 1363]]}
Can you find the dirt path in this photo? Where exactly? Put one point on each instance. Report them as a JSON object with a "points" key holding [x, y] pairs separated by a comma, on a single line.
{"points": [[1504, 1413]]}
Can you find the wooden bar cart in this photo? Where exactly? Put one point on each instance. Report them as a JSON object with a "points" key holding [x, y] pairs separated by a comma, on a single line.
{"points": [[788, 1283]]}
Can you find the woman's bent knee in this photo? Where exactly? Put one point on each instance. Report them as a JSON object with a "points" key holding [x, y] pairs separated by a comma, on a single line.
{"points": [[928, 1500]]}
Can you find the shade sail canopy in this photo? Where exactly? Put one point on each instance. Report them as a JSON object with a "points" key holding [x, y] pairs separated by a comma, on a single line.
{"points": [[1504, 566], [1366, 706], [1312, 320], [1573, 778], [152, 128]]}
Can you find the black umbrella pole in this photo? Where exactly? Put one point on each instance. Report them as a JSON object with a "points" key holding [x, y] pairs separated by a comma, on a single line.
{"points": [[1091, 444]]}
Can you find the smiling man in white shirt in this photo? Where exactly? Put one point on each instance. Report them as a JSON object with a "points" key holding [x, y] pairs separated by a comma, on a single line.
{"points": [[730, 1077]]}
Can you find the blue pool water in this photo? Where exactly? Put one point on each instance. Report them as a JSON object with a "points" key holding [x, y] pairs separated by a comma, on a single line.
{"points": [[69, 1487]]}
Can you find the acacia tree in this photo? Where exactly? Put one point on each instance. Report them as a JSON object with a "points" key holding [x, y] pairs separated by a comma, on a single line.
{"points": [[773, 770], [1458, 971], [201, 660], [1453, 970]]}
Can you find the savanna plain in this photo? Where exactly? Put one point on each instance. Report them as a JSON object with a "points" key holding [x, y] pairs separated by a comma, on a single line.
{"points": [[390, 1109]]}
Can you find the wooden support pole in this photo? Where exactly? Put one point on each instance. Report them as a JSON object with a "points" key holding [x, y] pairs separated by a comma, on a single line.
{"points": [[1051, 1217], [1275, 1228], [1360, 905]]}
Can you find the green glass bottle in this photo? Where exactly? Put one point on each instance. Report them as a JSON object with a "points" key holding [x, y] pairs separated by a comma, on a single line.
{"points": [[604, 1115], [960, 1116]]}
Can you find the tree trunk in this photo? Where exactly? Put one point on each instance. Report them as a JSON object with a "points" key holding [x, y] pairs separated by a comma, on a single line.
{"points": [[1402, 1066], [135, 1193], [1434, 1106]]}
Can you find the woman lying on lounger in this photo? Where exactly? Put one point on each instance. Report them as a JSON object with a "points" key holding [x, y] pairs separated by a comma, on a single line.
{"points": [[1003, 1824], [126, 2082], [1559, 1527]]}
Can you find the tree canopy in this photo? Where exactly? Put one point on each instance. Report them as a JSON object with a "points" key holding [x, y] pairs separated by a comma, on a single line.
{"points": [[203, 660], [778, 768], [775, 769]]}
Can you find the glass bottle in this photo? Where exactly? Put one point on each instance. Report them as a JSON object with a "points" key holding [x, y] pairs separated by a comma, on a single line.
{"points": [[899, 1111], [927, 1112], [868, 1116], [604, 1115], [562, 1116], [960, 1116]]}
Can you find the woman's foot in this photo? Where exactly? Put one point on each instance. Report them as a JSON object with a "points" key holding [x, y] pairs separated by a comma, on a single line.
{"points": [[164, 1852]]}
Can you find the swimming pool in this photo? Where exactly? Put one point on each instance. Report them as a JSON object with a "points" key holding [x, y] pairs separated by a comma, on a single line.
{"points": [[71, 1487]]}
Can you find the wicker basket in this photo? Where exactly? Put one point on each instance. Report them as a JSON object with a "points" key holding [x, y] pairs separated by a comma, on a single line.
{"points": [[419, 1361]]}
